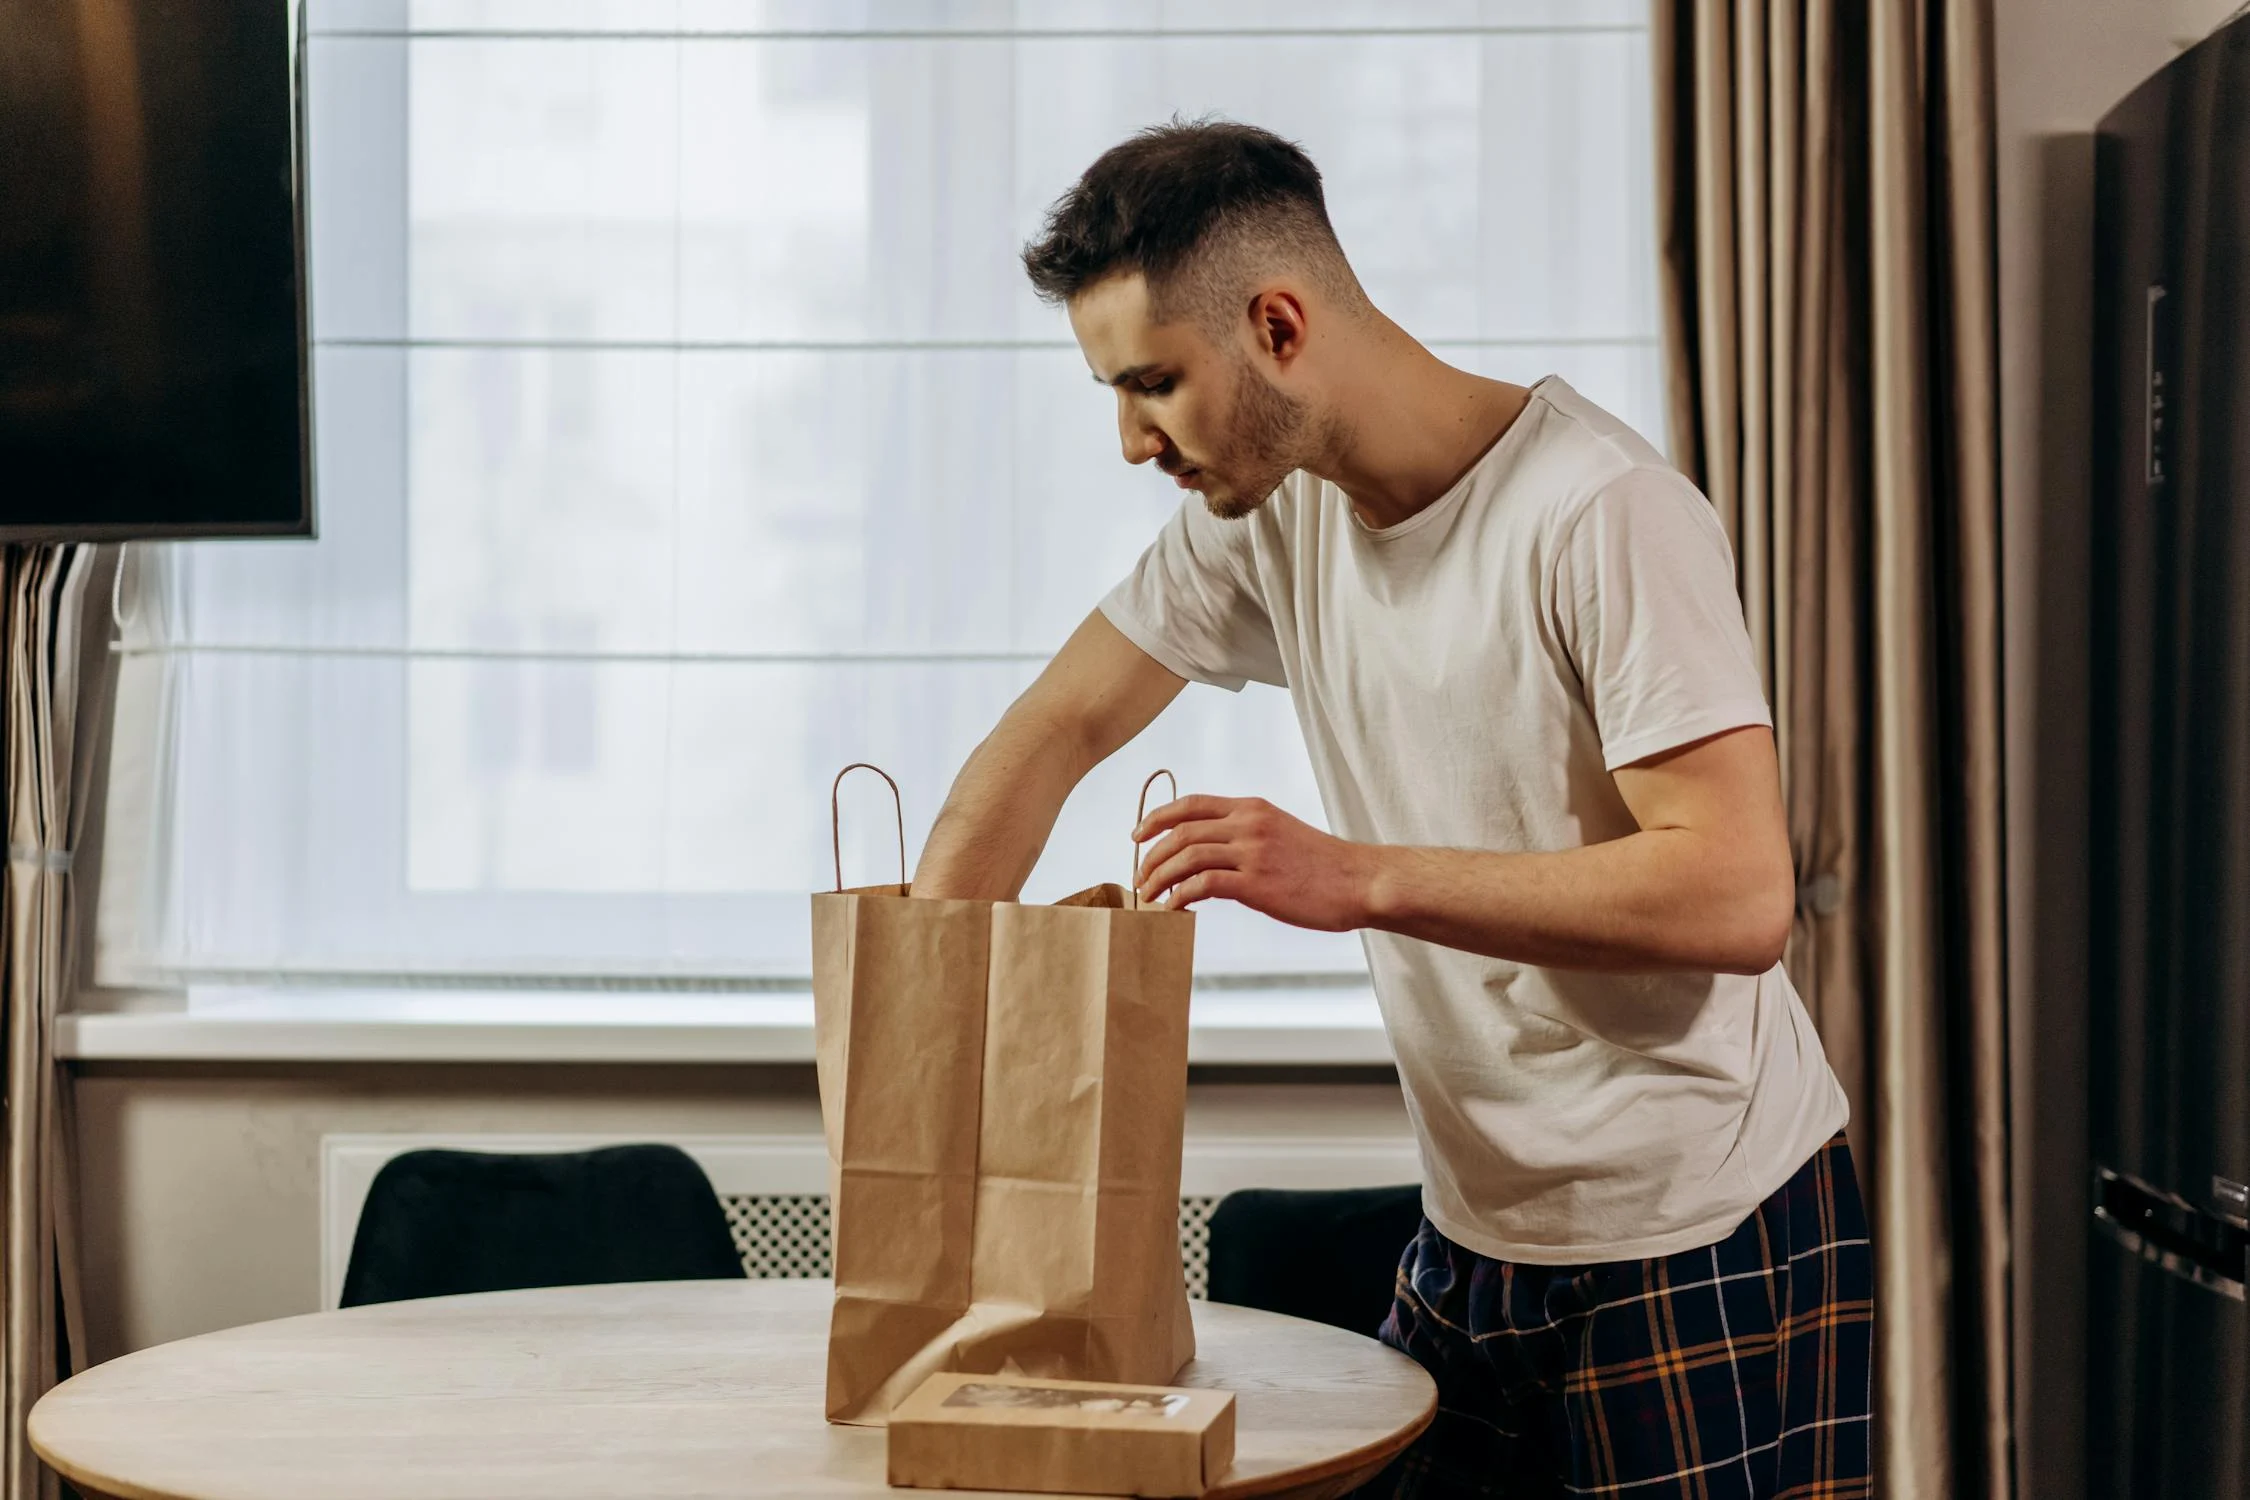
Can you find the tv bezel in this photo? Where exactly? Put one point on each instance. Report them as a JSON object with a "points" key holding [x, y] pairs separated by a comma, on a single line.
{"points": [[306, 523]]}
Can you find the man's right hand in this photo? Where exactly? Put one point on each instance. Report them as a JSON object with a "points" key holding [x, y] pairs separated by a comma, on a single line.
{"points": [[1097, 694]]}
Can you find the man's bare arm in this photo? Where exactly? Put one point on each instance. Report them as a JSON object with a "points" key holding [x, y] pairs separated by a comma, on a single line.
{"points": [[1098, 692], [1705, 885]]}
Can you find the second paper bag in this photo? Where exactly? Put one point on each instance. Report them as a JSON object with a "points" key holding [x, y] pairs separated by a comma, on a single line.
{"points": [[1003, 1088]]}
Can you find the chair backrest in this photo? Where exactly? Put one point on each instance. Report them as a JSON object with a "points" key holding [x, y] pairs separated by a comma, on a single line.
{"points": [[438, 1223], [1329, 1256]]}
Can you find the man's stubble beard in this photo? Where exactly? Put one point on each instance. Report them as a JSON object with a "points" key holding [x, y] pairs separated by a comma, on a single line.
{"points": [[1268, 435]]}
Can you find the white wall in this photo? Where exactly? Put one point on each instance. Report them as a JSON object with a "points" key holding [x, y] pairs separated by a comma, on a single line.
{"points": [[2060, 66], [200, 1184]]}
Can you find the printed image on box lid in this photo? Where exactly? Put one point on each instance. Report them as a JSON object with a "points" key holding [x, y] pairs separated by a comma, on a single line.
{"points": [[1140, 1403]]}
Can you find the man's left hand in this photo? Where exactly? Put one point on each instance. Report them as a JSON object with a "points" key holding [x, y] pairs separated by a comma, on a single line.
{"points": [[1247, 850]]}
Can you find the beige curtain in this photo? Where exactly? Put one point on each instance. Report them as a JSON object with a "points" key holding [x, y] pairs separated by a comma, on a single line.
{"points": [[46, 620], [1826, 209]]}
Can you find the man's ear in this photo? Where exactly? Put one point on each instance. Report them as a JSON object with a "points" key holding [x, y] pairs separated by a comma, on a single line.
{"points": [[1277, 320]]}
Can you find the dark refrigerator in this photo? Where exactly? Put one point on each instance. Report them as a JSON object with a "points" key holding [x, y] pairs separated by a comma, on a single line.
{"points": [[2169, 943]]}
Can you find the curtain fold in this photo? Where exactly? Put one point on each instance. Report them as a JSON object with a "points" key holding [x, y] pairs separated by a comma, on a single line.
{"points": [[43, 631], [1826, 206]]}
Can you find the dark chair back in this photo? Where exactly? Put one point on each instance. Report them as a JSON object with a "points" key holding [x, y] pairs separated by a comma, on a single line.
{"points": [[438, 1223], [1331, 1256]]}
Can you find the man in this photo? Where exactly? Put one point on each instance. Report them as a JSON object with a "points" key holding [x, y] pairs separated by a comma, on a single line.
{"points": [[1512, 637]]}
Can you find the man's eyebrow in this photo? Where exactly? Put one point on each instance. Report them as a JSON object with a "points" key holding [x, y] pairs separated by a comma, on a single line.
{"points": [[1123, 377]]}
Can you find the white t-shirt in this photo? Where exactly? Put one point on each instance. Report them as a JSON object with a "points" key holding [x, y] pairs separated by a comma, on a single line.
{"points": [[1468, 678]]}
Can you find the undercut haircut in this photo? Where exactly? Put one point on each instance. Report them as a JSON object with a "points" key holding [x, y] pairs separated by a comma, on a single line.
{"points": [[1201, 209]]}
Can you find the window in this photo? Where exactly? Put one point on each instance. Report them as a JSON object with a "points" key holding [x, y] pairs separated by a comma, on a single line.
{"points": [[685, 430]]}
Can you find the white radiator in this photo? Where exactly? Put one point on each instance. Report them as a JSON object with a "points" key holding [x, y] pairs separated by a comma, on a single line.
{"points": [[774, 1188]]}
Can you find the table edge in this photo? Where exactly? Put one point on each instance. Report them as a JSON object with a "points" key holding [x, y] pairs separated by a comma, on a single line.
{"points": [[86, 1483], [1368, 1460]]}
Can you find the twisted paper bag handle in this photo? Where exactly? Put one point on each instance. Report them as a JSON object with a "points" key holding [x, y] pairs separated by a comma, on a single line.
{"points": [[1133, 886], [898, 808], [836, 819]]}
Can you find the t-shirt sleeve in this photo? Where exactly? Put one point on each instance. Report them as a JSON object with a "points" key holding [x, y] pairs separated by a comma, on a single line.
{"points": [[1193, 602], [1645, 602]]}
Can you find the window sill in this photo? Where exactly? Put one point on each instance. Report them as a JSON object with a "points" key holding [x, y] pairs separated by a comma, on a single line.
{"points": [[1273, 1029]]}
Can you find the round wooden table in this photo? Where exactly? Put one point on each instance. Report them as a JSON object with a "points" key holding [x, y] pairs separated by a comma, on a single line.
{"points": [[659, 1389]]}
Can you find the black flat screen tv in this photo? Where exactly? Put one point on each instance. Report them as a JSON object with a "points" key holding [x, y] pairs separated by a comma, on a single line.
{"points": [[154, 375]]}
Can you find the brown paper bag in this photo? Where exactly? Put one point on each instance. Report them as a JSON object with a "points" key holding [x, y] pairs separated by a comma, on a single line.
{"points": [[1003, 1088]]}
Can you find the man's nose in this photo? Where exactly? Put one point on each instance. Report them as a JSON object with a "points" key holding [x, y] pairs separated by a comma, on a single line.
{"points": [[1139, 441]]}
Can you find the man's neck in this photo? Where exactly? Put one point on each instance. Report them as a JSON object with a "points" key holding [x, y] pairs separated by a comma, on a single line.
{"points": [[1409, 426]]}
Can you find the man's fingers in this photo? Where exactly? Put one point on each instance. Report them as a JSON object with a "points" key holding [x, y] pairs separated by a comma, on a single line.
{"points": [[1184, 836], [1187, 862], [1209, 885], [1172, 814]]}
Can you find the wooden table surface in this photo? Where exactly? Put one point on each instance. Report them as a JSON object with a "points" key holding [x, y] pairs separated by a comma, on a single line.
{"points": [[661, 1389]]}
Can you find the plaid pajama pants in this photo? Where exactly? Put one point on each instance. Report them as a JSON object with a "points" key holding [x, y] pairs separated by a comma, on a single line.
{"points": [[1737, 1371]]}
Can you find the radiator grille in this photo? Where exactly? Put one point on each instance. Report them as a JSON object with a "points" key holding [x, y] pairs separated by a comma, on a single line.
{"points": [[780, 1234], [788, 1234]]}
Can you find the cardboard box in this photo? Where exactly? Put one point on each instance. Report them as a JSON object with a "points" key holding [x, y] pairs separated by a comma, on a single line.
{"points": [[1018, 1432]]}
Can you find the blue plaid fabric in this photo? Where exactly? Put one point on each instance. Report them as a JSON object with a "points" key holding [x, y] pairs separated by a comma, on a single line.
{"points": [[1741, 1370]]}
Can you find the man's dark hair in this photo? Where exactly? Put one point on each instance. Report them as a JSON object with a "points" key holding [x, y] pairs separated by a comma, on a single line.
{"points": [[1198, 208]]}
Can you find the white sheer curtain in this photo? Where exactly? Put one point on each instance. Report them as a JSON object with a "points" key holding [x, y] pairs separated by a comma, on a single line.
{"points": [[685, 430]]}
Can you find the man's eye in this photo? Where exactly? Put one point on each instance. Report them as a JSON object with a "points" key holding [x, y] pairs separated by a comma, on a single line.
{"points": [[1155, 388]]}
